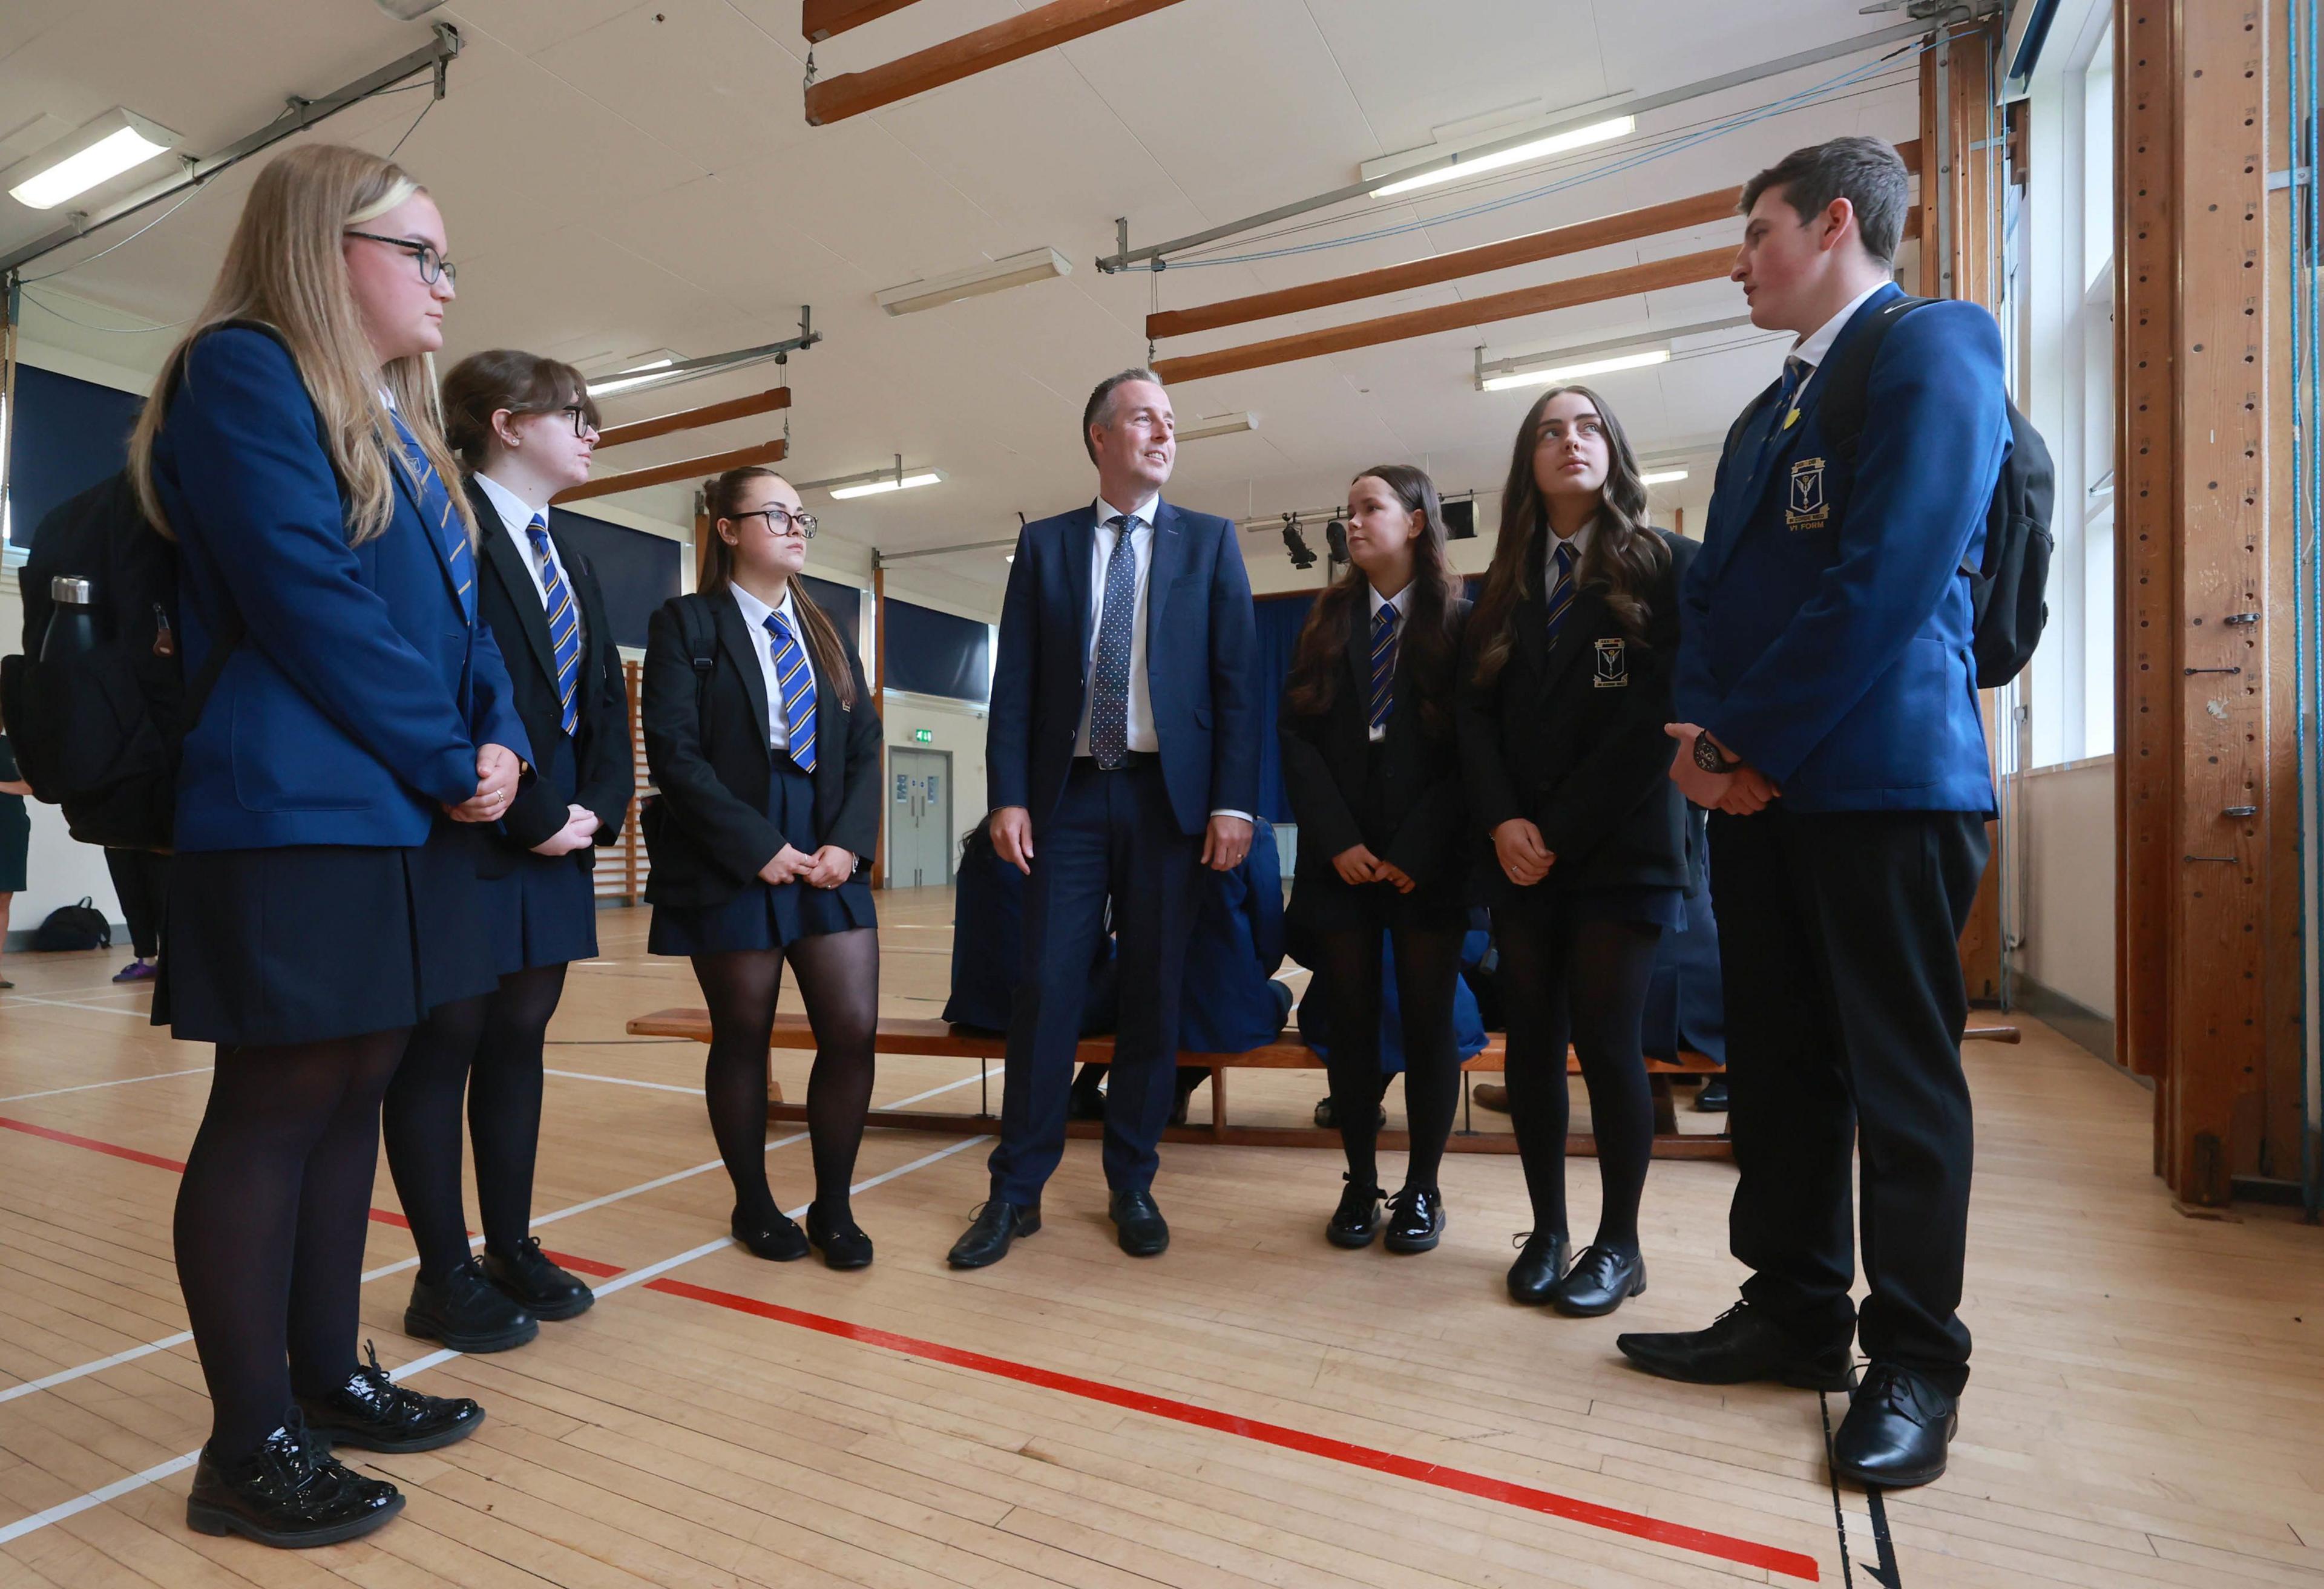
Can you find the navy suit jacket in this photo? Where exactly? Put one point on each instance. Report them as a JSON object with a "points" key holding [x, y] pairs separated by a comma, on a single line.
{"points": [[1202, 652], [353, 707], [1229, 1005], [1826, 624]]}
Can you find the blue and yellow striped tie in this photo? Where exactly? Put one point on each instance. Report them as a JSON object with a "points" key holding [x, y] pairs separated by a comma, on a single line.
{"points": [[564, 626], [451, 529], [1383, 667], [795, 684], [1560, 589]]}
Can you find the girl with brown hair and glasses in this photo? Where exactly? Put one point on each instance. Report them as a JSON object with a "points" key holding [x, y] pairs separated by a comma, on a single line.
{"points": [[764, 745], [1566, 678], [1369, 761], [525, 428]]}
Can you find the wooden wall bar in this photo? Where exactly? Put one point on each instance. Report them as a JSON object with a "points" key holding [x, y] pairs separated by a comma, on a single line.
{"points": [[1060, 22], [664, 473], [741, 407]]}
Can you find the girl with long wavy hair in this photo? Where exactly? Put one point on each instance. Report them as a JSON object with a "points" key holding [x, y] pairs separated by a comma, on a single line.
{"points": [[1369, 764], [1566, 685]]}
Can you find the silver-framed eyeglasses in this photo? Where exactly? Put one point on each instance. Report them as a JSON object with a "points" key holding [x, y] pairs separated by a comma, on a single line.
{"points": [[781, 521], [432, 265]]}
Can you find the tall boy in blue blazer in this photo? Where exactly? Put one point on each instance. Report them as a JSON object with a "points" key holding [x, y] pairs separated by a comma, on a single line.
{"points": [[1832, 723], [1122, 749]]}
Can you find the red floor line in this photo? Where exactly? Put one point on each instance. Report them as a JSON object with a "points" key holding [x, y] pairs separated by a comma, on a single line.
{"points": [[1701, 1541]]}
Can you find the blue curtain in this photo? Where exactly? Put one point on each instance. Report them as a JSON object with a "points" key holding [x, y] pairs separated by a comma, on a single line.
{"points": [[933, 653], [70, 434], [637, 572], [1280, 620]]}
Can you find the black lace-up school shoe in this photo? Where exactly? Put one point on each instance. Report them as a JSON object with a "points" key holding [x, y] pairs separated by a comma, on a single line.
{"points": [[373, 1413], [1898, 1428], [997, 1224], [1138, 1228], [529, 1278], [1540, 1265], [1416, 1220], [1357, 1219], [772, 1236], [290, 1493], [1741, 1344], [465, 1312], [841, 1240], [1600, 1280]]}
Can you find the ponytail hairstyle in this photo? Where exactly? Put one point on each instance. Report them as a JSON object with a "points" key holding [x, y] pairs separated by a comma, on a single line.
{"points": [[284, 267], [1623, 560], [483, 384], [1318, 665], [722, 496]]}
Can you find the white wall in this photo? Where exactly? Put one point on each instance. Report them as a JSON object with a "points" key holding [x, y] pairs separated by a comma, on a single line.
{"points": [[2067, 831], [953, 726]]}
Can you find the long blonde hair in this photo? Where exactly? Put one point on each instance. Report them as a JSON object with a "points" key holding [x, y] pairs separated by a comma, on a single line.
{"points": [[284, 267]]}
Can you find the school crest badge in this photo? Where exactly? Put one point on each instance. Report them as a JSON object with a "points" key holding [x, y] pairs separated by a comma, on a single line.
{"points": [[1613, 664], [1806, 508]]}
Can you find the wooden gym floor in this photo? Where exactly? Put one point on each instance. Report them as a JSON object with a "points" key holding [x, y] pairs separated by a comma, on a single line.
{"points": [[1254, 1408]]}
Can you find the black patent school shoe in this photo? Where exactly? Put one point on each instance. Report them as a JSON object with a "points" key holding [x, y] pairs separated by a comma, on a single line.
{"points": [[1600, 1280], [1416, 1219], [529, 1278], [466, 1313], [373, 1413], [290, 1493], [841, 1241], [1540, 1265], [1357, 1219], [772, 1235]]}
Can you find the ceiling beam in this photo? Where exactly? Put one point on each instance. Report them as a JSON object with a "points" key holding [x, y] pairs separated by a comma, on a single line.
{"points": [[824, 19], [1701, 210], [741, 407], [1060, 22], [772, 452]]}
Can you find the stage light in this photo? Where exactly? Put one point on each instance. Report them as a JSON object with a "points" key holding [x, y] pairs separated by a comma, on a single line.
{"points": [[1303, 557]]}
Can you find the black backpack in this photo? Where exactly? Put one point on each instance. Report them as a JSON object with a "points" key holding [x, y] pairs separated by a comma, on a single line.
{"points": [[69, 927], [2007, 591]]}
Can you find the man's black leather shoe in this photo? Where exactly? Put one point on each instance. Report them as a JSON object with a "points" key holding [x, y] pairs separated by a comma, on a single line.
{"points": [[1741, 1344], [374, 1414], [1712, 1099], [987, 1240], [1357, 1219], [1897, 1430], [468, 1313], [1416, 1219], [527, 1278], [290, 1493], [842, 1240], [1137, 1224], [771, 1235], [1600, 1280], [1540, 1265]]}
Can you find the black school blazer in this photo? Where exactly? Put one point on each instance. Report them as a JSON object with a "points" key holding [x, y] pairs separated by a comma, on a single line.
{"points": [[1572, 738], [706, 749], [603, 764], [1327, 758]]}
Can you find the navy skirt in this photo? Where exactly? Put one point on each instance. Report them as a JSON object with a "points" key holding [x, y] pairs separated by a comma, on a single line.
{"points": [[543, 913], [309, 942], [764, 915]]}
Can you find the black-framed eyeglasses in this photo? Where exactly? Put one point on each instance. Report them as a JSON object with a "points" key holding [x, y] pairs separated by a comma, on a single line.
{"points": [[781, 521], [432, 265]]}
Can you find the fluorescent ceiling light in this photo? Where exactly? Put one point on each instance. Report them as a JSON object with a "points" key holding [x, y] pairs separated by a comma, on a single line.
{"points": [[1018, 269], [1219, 425], [873, 488], [1663, 477], [1551, 376], [97, 152], [635, 375], [1463, 167]]}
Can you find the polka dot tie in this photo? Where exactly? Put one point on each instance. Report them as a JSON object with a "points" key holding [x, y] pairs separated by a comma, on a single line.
{"points": [[1117, 620]]}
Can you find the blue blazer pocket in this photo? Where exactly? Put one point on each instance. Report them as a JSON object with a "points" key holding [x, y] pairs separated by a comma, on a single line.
{"points": [[1899, 735], [286, 758]]}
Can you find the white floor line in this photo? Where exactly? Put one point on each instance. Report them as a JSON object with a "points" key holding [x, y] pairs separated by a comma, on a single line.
{"points": [[623, 1282], [62, 1375], [92, 1085], [66, 1004]]}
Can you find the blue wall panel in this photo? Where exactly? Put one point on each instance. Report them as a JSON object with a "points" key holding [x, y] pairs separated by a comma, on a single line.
{"points": [[70, 434], [637, 572]]}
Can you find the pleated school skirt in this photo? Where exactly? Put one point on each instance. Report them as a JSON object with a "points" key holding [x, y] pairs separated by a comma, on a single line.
{"points": [[543, 913], [766, 916]]}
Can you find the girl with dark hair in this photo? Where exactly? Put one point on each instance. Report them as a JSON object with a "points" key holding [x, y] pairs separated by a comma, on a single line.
{"points": [[762, 740], [525, 428], [1566, 685], [1369, 761]]}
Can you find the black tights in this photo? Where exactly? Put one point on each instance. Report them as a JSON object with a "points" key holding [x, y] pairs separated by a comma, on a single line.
{"points": [[838, 975], [271, 1215], [486, 1050], [1585, 982], [1427, 968]]}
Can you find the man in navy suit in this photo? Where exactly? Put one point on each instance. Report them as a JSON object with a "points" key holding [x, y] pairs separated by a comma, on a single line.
{"points": [[1122, 750], [1832, 727]]}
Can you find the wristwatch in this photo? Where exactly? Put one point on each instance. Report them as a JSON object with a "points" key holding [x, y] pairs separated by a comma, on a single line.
{"points": [[1709, 759]]}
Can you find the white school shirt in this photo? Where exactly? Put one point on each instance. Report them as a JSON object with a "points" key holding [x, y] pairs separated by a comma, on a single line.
{"points": [[762, 641]]}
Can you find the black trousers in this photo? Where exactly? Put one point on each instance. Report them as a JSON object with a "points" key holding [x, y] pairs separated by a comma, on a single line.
{"points": [[142, 880], [1837, 945]]}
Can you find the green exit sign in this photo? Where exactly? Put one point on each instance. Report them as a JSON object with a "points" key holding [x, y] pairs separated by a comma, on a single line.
{"points": [[924, 736]]}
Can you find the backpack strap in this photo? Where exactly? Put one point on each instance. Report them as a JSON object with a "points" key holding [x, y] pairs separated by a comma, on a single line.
{"points": [[1849, 389]]}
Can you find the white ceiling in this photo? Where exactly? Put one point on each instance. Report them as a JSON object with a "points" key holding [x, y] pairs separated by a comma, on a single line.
{"points": [[621, 176]]}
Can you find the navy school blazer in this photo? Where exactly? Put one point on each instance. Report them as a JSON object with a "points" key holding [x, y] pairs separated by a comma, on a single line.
{"points": [[353, 706], [1202, 652], [1827, 623]]}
